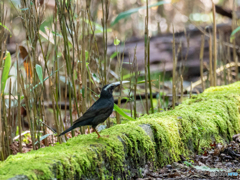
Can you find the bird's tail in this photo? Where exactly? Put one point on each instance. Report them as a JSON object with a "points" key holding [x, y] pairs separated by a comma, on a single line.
{"points": [[67, 130], [76, 124]]}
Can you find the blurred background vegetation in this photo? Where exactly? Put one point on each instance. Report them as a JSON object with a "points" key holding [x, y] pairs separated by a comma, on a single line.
{"points": [[56, 55]]}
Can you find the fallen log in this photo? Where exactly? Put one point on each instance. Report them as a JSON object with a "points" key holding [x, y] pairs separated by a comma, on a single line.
{"points": [[124, 149]]}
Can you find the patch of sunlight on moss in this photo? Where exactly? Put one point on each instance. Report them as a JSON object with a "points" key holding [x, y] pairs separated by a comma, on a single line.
{"points": [[227, 89]]}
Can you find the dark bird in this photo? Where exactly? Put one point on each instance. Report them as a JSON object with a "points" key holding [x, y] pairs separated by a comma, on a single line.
{"points": [[99, 111]]}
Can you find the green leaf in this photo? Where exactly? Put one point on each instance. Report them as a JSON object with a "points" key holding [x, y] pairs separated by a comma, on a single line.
{"points": [[6, 28], [131, 11], [116, 41], [141, 82], [39, 72], [233, 33], [113, 55], [187, 163], [127, 76], [6, 69], [120, 111]]}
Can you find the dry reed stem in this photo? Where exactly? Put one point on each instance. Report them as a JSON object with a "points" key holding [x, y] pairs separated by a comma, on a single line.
{"points": [[145, 60], [149, 77], [210, 62], [159, 89], [9, 124], [174, 95], [235, 57], [214, 45], [1, 127], [174, 69], [201, 60], [4, 130], [135, 83], [191, 88], [181, 99], [84, 68], [19, 106]]}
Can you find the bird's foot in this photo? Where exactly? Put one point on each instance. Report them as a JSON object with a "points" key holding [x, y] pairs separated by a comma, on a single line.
{"points": [[97, 133]]}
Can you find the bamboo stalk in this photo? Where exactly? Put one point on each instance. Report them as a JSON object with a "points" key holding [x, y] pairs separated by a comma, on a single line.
{"points": [[214, 45], [149, 77], [57, 93], [54, 108], [37, 129], [104, 24], [84, 71], [44, 120], [181, 99], [235, 57], [145, 59], [119, 98], [159, 28], [191, 88], [41, 107], [70, 106], [1, 122], [4, 130], [135, 83], [174, 95], [159, 88], [228, 60], [201, 60], [163, 80], [104, 53], [210, 61], [130, 89], [84, 68], [19, 107], [174, 70], [28, 112], [9, 124]]}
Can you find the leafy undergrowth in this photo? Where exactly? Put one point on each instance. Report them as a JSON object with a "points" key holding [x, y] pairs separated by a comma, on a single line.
{"points": [[211, 116]]}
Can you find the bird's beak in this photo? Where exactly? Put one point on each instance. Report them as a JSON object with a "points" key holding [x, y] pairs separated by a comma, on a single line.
{"points": [[116, 84]]}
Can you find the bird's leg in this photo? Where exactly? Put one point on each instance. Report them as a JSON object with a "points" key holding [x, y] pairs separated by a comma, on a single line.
{"points": [[96, 132]]}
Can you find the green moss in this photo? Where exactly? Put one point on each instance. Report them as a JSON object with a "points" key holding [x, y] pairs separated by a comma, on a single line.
{"points": [[81, 155], [212, 115]]}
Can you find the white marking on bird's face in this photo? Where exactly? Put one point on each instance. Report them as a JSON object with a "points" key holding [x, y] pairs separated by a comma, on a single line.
{"points": [[114, 84]]}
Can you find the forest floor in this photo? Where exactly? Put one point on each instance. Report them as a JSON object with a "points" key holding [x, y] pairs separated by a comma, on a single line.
{"points": [[216, 162]]}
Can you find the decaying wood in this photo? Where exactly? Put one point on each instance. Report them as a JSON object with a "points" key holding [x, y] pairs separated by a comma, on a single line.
{"points": [[161, 50]]}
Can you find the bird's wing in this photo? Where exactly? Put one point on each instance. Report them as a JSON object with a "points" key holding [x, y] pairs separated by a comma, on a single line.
{"points": [[98, 107]]}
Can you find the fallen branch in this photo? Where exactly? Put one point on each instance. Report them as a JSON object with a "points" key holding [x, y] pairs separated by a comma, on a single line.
{"points": [[229, 65]]}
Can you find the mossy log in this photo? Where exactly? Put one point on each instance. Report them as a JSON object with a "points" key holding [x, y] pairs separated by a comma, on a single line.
{"points": [[124, 149]]}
